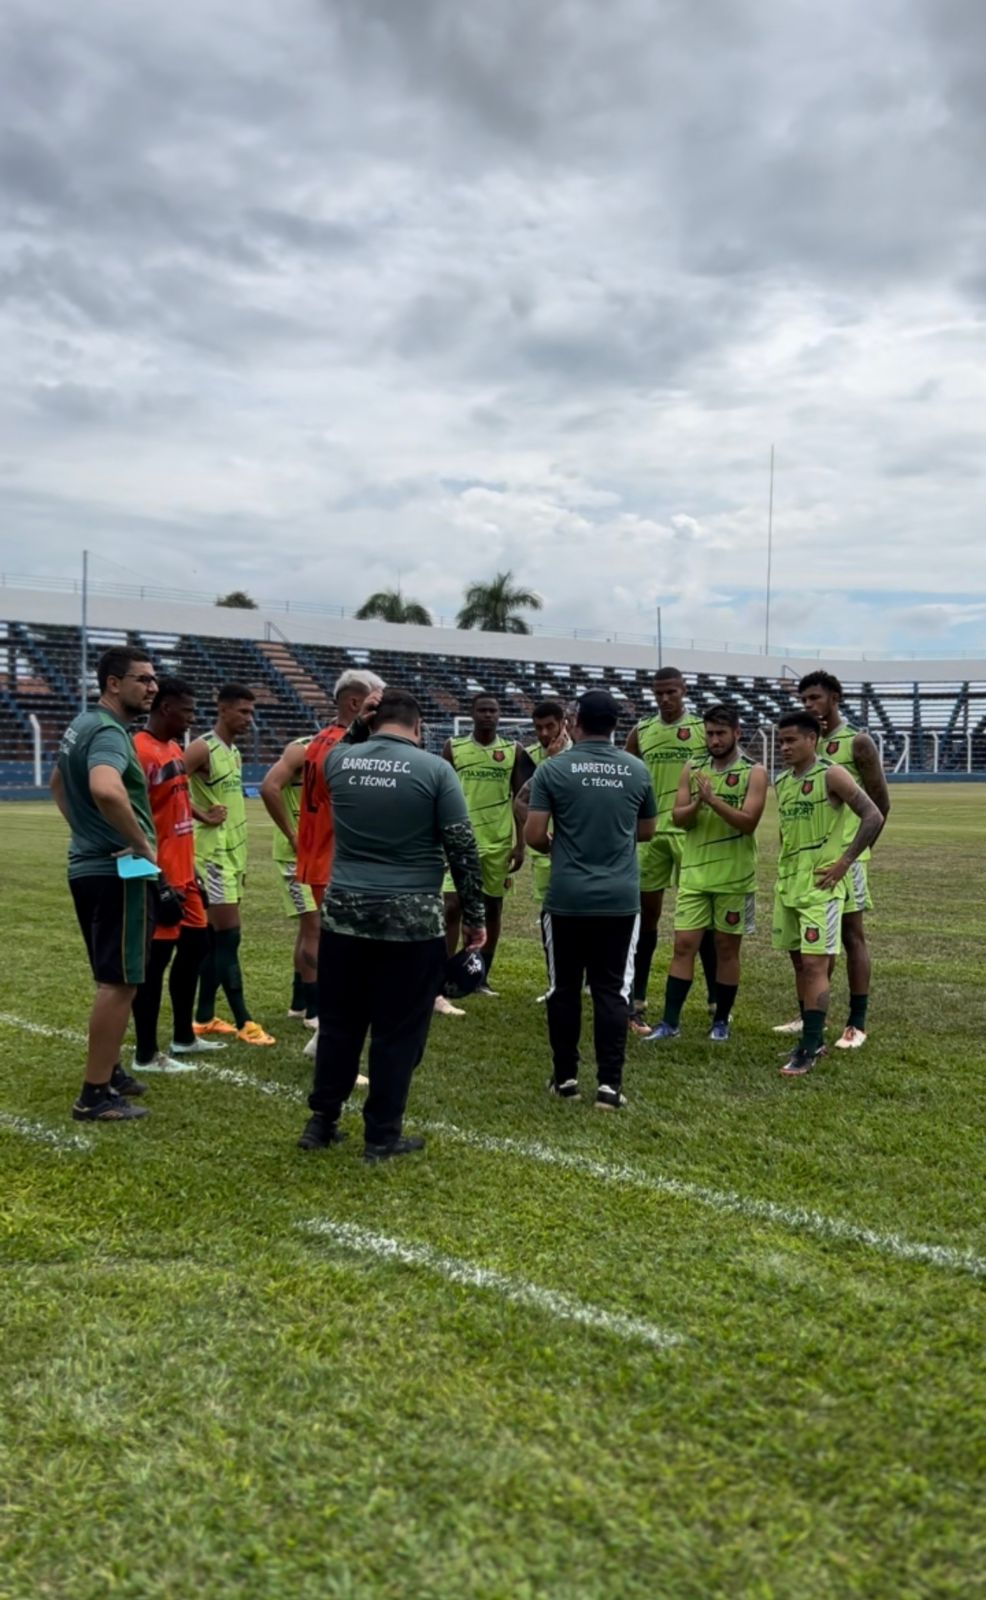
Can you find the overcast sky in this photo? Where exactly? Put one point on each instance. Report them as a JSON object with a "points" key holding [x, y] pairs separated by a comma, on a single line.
{"points": [[306, 297]]}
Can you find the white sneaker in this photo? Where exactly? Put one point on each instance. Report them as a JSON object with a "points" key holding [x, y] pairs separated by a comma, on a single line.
{"points": [[201, 1047], [445, 1008], [790, 1027], [311, 1046], [362, 1081], [312, 1022], [297, 1016], [491, 994], [163, 1063], [852, 1039]]}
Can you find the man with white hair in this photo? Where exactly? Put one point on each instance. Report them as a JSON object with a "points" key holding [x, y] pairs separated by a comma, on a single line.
{"points": [[310, 838]]}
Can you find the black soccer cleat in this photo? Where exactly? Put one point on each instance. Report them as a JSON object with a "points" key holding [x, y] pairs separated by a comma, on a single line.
{"points": [[124, 1083], [112, 1108], [319, 1133], [404, 1146], [569, 1090], [800, 1062], [609, 1099]]}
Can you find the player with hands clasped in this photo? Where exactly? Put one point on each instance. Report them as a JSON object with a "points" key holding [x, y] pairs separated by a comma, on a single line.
{"points": [[719, 804]]}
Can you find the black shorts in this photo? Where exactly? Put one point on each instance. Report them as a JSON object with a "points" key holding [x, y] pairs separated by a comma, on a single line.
{"points": [[116, 918]]}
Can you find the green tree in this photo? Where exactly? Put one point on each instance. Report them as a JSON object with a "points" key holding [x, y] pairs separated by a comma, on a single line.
{"points": [[493, 606], [389, 605], [237, 600]]}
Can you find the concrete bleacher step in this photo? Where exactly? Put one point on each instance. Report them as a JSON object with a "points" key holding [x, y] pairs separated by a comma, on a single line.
{"points": [[307, 688]]}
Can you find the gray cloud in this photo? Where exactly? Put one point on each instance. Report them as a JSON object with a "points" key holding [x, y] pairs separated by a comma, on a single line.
{"points": [[450, 285]]}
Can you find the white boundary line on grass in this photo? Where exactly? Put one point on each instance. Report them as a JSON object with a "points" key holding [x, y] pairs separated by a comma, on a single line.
{"points": [[799, 1218], [517, 1290], [41, 1133]]}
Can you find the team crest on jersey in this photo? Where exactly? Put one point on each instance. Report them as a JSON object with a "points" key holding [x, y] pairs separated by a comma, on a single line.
{"points": [[732, 917], [498, 755], [731, 781], [812, 935], [807, 788], [684, 733], [832, 748]]}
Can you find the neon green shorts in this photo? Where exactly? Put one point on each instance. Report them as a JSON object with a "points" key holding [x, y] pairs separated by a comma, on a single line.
{"points": [[297, 898], [223, 881], [495, 866], [542, 877], [726, 913], [857, 882], [813, 926], [659, 860]]}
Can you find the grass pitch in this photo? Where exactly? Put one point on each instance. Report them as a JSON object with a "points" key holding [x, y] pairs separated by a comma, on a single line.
{"points": [[729, 1343]]}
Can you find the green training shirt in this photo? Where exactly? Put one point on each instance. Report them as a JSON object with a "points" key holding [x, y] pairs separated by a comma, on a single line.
{"points": [[665, 747], [811, 832], [485, 772], [222, 787], [398, 812], [595, 795], [291, 795], [837, 748], [718, 859], [97, 738]]}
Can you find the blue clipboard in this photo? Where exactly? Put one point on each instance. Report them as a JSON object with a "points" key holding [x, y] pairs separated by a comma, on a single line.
{"points": [[136, 867]]}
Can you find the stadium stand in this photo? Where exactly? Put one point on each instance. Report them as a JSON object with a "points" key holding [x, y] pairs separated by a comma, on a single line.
{"points": [[922, 727]]}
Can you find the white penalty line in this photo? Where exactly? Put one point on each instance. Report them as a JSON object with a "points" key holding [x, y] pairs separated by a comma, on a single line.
{"points": [[40, 1132], [517, 1290], [797, 1218]]}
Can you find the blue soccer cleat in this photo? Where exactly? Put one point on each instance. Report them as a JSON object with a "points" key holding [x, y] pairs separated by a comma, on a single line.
{"points": [[719, 1033], [663, 1030]]}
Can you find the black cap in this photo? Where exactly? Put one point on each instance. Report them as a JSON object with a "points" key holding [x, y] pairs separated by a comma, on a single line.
{"points": [[463, 974], [598, 704]]}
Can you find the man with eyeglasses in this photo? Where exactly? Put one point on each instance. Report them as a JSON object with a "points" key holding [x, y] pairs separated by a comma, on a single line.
{"points": [[100, 789]]}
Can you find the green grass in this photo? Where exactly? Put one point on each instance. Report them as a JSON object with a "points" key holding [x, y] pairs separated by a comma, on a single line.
{"points": [[200, 1397]]}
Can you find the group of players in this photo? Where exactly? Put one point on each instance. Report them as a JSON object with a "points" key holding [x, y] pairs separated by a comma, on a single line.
{"points": [[709, 797]]}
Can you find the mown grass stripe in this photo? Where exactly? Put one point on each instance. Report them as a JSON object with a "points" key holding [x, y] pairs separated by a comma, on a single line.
{"points": [[797, 1218], [472, 1276]]}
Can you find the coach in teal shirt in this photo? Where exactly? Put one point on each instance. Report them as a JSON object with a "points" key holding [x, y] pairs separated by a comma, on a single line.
{"points": [[589, 808]]}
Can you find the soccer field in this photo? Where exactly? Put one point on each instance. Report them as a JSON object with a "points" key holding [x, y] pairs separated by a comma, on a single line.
{"points": [[728, 1343]]}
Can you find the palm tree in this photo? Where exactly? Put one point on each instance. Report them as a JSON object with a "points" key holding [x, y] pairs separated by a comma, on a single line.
{"points": [[493, 607], [389, 605]]}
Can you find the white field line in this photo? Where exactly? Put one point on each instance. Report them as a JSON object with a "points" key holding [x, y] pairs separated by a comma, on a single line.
{"points": [[517, 1290], [41, 1133], [800, 1219], [10, 1021]]}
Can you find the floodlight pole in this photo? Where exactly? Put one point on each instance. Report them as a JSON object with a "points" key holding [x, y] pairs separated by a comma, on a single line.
{"points": [[770, 555], [84, 647]]}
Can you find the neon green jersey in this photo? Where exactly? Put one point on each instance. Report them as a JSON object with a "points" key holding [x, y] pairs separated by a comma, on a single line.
{"points": [[837, 748], [665, 747], [811, 832], [542, 863], [291, 795], [715, 858], [485, 772], [222, 787]]}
